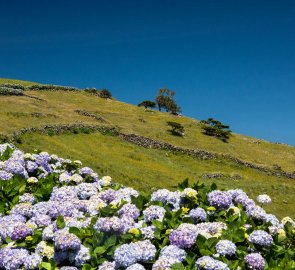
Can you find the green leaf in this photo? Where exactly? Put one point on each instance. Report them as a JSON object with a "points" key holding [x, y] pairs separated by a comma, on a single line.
{"points": [[200, 241], [183, 184], [177, 266], [75, 231], [60, 222], [99, 250], [205, 252], [86, 267], [45, 265], [111, 241]]}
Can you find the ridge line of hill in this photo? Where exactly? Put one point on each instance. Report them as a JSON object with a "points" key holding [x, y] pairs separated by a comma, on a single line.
{"points": [[142, 142]]}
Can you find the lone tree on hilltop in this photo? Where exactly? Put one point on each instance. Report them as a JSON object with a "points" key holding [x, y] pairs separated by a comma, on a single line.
{"points": [[176, 128], [105, 93], [215, 128], [165, 100], [147, 104]]}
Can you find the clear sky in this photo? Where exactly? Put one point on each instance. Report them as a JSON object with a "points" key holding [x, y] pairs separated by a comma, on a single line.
{"points": [[231, 60]]}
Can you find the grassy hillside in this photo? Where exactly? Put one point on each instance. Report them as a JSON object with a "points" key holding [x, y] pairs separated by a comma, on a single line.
{"points": [[140, 167], [12, 81]]}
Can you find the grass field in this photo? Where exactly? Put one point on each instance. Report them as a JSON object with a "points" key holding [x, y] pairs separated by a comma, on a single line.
{"points": [[147, 168], [140, 167]]}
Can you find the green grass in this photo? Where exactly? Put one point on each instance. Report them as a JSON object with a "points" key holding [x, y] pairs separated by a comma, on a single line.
{"points": [[12, 81], [132, 119], [145, 169]]}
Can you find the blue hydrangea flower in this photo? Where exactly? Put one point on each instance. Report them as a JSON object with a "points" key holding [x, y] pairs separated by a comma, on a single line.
{"points": [[129, 210], [67, 241], [135, 266], [208, 263], [198, 214], [225, 247], [219, 199], [182, 238], [154, 212], [255, 261], [107, 266], [261, 238], [32, 262], [5, 175], [173, 252]]}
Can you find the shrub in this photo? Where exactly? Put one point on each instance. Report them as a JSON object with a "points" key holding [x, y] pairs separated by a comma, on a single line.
{"points": [[176, 128], [13, 86], [51, 88], [147, 104], [105, 93], [6, 91], [215, 128], [93, 91]]}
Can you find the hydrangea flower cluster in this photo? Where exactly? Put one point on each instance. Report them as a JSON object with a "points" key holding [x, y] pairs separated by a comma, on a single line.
{"points": [[208, 263], [154, 235], [226, 247], [129, 254], [255, 261], [263, 199], [261, 238]]}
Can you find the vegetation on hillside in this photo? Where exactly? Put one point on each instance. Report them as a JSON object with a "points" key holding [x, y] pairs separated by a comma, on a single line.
{"points": [[129, 163], [63, 215]]}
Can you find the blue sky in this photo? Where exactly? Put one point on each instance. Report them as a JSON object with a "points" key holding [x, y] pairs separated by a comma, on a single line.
{"points": [[231, 60]]}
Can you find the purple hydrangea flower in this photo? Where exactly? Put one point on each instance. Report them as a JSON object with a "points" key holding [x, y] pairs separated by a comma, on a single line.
{"points": [[225, 247], [219, 199], [208, 263], [182, 238], [107, 266], [5, 175], [129, 210], [27, 198], [86, 190], [255, 261], [198, 214], [154, 212], [86, 171], [31, 166], [261, 238], [32, 262], [135, 266], [13, 259], [264, 199], [173, 252], [126, 255], [67, 241], [20, 232]]}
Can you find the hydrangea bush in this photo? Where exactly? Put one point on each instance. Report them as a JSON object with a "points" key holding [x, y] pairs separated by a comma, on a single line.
{"points": [[57, 214]]}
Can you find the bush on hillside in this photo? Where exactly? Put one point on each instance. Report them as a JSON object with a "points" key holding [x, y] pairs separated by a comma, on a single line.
{"points": [[105, 93], [147, 104], [6, 91], [57, 214], [13, 86], [51, 88], [215, 128], [93, 91], [176, 128]]}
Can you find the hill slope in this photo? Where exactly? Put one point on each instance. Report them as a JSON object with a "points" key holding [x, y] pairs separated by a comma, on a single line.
{"points": [[135, 165]]}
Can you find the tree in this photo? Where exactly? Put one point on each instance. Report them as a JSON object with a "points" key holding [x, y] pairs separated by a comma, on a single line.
{"points": [[215, 128], [105, 93], [147, 104], [176, 128], [165, 100]]}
